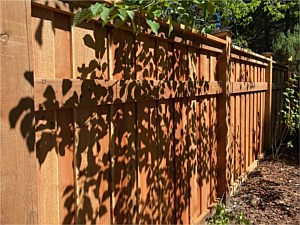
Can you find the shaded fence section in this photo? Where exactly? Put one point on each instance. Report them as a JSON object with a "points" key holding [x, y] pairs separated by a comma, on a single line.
{"points": [[128, 128]]}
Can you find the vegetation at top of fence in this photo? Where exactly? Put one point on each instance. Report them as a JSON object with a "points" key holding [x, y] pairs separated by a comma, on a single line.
{"points": [[204, 15]]}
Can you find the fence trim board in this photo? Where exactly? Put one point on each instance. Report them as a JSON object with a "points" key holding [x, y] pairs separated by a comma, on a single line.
{"points": [[242, 87], [249, 60], [52, 94], [248, 53], [276, 86]]}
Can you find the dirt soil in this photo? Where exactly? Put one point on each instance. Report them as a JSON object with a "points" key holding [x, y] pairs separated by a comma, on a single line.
{"points": [[271, 194]]}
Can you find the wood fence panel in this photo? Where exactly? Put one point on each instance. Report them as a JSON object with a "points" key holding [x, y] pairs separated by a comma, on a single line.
{"points": [[167, 163], [251, 115], [148, 162], [145, 57], [164, 58], [46, 151], [66, 148], [181, 162], [159, 147], [122, 55], [124, 164]]}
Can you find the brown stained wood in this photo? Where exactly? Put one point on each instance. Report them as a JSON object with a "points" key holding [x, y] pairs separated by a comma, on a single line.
{"points": [[247, 117], [166, 176], [192, 141], [43, 38], [89, 51], [18, 173], [244, 53], [124, 164], [243, 129], [122, 54], [193, 166], [92, 166], [47, 167], [204, 65], [182, 194], [46, 122], [238, 124], [248, 60], [223, 114], [145, 57], [246, 87], [238, 137], [164, 59], [258, 108], [255, 118], [247, 127], [104, 164], [62, 38], [233, 121], [199, 156], [65, 93], [268, 105], [193, 64], [204, 160], [251, 99], [213, 66], [148, 164], [213, 144], [181, 69], [65, 144]]}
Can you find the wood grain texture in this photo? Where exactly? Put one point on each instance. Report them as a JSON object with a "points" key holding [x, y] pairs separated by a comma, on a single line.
{"points": [[18, 190]]}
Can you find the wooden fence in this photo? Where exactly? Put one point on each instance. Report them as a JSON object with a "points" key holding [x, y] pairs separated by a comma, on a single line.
{"points": [[104, 126]]}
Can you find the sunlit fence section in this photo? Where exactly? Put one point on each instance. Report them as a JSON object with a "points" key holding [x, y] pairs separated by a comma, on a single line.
{"points": [[131, 128]]}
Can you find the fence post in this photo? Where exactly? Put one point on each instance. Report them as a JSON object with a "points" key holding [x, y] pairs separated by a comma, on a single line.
{"points": [[18, 189], [224, 139], [268, 114]]}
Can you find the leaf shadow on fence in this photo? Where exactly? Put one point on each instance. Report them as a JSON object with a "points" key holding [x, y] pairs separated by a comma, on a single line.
{"points": [[122, 163]]}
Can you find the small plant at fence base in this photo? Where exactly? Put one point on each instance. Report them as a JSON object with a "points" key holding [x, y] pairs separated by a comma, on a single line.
{"points": [[288, 119], [224, 217]]}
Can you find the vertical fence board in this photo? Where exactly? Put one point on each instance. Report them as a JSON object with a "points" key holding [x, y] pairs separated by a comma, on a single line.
{"points": [[148, 162], [166, 166], [46, 151], [62, 31], [164, 59], [124, 163], [181, 162], [65, 142], [43, 46], [122, 55], [89, 51], [145, 57]]}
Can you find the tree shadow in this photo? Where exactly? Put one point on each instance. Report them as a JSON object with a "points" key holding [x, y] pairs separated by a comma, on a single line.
{"points": [[131, 158]]}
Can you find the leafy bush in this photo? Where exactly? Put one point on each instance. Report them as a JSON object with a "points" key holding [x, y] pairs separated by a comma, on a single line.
{"points": [[224, 217]]}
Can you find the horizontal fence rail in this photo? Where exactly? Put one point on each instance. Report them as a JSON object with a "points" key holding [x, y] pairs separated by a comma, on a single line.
{"points": [[110, 127]]}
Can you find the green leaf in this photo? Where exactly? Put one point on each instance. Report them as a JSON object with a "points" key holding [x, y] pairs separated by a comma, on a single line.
{"points": [[96, 9], [170, 25], [104, 15], [153, 25], [122, 14], [130, 13], [85, 14]]}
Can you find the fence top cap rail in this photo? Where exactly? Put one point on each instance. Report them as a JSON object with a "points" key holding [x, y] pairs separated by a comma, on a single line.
{"points": [[223, 33], [280, 65], [248, 52], [65, 6]]}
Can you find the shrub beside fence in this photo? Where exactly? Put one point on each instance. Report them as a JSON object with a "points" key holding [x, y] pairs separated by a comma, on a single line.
{"points": [[124, 128]]}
